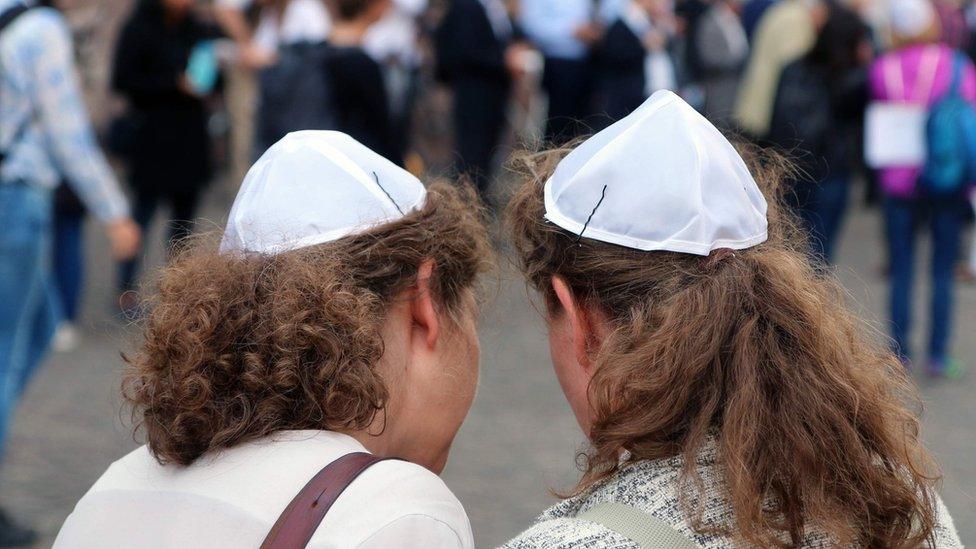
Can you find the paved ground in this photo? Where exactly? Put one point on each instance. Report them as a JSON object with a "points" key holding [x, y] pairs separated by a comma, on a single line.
{"points": [[519, 443]]}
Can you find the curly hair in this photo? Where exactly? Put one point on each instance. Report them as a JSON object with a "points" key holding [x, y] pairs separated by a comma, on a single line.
{"points": [[756, 349], [237, 347]]}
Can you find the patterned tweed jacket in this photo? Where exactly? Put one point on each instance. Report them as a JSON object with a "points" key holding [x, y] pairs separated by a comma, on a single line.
{"points": [[652, 486]]}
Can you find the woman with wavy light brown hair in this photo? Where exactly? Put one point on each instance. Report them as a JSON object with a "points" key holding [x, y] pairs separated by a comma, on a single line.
{"points": [[332, 328], [728, 396]]}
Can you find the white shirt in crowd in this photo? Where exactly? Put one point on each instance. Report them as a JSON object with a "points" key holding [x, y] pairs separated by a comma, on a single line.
{"points": [[395, 36], [301, 21], [659, 71], [232, 499]]}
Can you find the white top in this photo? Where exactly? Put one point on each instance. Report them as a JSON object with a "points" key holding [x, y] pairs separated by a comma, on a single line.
{"points": [[301, 21], [233, 498], [313, 187], [911, 18], [663, 178], [395, 36]]}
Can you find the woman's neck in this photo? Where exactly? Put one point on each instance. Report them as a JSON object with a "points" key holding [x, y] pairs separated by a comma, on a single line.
{"points": [[386, 442], [376, 444]]}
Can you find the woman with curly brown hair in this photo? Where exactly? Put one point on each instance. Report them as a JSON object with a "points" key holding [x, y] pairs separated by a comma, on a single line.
{"points": [[729, 397], [334, 326]]}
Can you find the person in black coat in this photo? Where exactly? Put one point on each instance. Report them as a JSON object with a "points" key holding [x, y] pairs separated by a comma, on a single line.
{"points": [[360, 98], [817, 117], [622, 58], [170, 154], [622, 81], [475, 47]]}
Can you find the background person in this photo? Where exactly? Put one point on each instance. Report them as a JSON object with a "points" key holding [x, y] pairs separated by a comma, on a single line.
{"points": [[170, 161], [69, 264], [970, 268], [817, 118], [336, 317], [751, 14], [565, 31], [44, 136], [634, 57], [395, 43], [478, 58], [722, 51], [926, 67], [361, 99], [258, 28], [785, 33]]}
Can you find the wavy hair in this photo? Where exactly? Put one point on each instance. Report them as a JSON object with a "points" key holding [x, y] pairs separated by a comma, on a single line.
{"points": [[756, 349], [237, 347]]}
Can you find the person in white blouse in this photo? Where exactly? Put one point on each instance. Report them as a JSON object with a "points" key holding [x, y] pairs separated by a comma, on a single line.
{"points": [[256, 42], [330, 321], [394, 43]]}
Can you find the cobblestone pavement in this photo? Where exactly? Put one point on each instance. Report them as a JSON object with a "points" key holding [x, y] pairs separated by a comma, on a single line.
{"points": [[520, 441]]}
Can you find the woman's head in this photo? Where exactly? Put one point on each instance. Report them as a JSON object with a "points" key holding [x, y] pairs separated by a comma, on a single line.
{"points": [[660, 351], [844, 43], [913, 22], [177, 7], [371, 334], [368, 11]]}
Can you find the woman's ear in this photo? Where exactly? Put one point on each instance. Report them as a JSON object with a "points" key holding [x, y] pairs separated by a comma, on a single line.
{"points": [[423, 309], [580, 321]]}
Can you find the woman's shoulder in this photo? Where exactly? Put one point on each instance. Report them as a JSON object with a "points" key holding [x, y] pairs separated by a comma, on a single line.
{"points": [[402, 500], [276, 466], [569, 533], [655, 488], [650, 486], [392, 498], [946, 536], [411, 482], [128, 471]]}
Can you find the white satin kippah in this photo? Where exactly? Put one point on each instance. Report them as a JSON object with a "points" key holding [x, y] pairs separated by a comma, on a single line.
{"points": [[663, 178], [314, 187]]}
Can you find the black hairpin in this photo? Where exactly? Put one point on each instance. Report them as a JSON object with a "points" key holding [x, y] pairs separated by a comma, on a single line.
{"points": [[378, 184], [603, 195]]}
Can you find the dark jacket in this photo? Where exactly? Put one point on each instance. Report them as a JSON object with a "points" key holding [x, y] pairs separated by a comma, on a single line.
{"points": [[171, 152], [817, 118], [360, 100], [467, 46], [622, 80], [692, 12]]}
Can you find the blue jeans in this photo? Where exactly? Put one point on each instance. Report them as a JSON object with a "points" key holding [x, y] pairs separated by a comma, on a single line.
{"points": [[902, 222], [69, 266], [29, 312], [829, 206], [821, 209]]}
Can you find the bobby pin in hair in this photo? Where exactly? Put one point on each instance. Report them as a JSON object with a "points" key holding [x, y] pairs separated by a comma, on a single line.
{"points": [[713, 259], [603, 195], [380, 185]]}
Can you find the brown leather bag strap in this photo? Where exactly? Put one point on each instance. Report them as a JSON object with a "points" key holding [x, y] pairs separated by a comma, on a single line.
{"points": [[298, 523]]}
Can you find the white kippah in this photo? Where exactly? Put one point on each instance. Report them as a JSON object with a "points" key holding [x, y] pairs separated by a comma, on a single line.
{"points": [[663, 178], [314, 187]]}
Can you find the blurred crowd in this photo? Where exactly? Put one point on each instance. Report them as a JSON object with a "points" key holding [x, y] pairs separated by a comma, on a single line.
{"points": [[799, 75], [826, 82]]}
